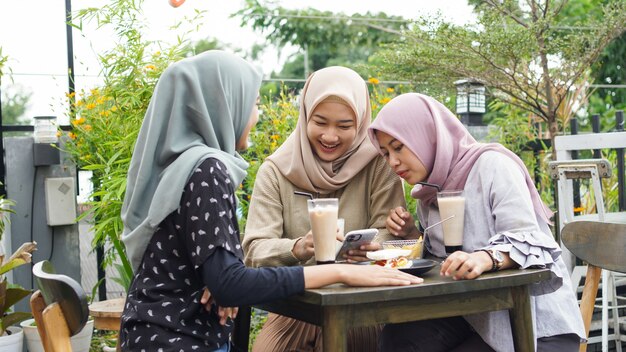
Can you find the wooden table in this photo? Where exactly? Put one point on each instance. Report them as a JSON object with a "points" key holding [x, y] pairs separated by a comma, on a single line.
{"points": [[107, 314], [337, 308]]}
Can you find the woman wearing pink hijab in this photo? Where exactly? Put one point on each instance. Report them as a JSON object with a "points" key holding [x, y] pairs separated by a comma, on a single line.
{"points": [[506, 225], [329, 156]]}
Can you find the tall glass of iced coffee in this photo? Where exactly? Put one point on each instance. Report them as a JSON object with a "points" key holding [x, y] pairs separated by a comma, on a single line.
{"points": [[452, 203], [323, 215]]}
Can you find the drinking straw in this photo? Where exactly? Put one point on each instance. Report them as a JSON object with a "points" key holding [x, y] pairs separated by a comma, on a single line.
{"points": [[431, 185], [304, 194], [438, 222]]}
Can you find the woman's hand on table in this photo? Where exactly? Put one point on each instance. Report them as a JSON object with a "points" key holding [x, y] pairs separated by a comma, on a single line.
{"points": [[400, 223], [466, 266], [316, 276], [223, 312], [376, 275], [355, 256]]}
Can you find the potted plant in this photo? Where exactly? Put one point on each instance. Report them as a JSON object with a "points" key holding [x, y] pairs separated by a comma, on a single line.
{"points": [[11, 337], [80, 342]]}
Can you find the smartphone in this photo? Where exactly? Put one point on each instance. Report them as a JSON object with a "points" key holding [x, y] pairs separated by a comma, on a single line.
{"points": [[354, 240]]}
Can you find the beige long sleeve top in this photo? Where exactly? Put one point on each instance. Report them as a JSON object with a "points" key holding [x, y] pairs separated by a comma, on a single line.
{"points": [[277, 217]]}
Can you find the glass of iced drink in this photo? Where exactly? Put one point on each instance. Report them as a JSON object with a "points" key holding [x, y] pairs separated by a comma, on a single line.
{"points": [[323, 215], [452, 203]]}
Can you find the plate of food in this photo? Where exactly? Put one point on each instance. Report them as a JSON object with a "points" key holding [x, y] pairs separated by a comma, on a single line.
{"points": [[398, 259], [419, 266]]}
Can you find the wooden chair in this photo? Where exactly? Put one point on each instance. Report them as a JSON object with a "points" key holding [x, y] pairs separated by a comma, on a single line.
{"points": [[59, 307], [603, 246], [564, 171]]}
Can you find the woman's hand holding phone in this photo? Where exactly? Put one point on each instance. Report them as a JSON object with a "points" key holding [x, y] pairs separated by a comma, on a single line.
{"points": [[356, 243], [359, 255]]}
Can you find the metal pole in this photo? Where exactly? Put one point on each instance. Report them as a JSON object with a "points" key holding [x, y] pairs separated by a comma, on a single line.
{"points": [[595, 127], [619, 126], [467, 114], [102, 290], [70, 51], [576, 182], [3, 190]]}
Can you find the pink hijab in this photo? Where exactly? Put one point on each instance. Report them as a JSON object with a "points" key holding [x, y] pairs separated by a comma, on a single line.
{"points": [[295, 158], [441, 142]]}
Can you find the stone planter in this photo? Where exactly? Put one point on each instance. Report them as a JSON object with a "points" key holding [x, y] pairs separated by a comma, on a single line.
{"points": [[13, 342], [80, 342]]}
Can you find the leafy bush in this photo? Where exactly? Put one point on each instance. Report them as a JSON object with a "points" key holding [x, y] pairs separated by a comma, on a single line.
{"points": [[106, 120], [11, 294]]}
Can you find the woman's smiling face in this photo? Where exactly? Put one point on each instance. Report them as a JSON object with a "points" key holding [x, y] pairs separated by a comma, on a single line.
{"points": [[331, 130]]}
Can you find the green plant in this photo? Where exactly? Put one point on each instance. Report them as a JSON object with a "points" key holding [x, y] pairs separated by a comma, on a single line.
{"points": [[257, 320], [11, 294], [106, 119]]}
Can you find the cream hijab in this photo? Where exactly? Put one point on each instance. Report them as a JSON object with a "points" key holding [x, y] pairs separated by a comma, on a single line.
{"points": [[199, 109], [295, 158]]}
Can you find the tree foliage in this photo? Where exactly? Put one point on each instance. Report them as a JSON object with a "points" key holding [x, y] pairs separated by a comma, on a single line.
{"points": [[13, 104], [610, 68], [326, 38], [518, 49]]}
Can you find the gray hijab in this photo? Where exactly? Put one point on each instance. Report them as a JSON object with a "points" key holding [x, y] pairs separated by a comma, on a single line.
{"points": [[199, 109]]}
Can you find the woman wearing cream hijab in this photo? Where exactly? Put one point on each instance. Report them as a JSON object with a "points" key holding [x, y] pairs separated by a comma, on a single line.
{"points": [[328, 155]]}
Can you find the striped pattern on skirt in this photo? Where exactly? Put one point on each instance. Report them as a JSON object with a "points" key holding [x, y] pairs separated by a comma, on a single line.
{"points": [[283, 334]]}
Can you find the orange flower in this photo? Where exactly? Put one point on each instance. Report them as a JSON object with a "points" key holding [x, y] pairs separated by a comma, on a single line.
{"points": [[72, 135], [78, 121], [390, 90], [385, 100], [373, 80]]}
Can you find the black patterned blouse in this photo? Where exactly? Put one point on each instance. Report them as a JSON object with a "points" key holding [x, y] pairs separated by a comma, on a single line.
{"points": [[163, 310]]}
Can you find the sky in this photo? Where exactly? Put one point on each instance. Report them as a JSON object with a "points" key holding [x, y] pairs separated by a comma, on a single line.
{"points": [[33, 36]]}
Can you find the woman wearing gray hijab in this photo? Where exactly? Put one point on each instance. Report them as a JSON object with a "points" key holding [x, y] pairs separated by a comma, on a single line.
{"points": [[180, 227]]}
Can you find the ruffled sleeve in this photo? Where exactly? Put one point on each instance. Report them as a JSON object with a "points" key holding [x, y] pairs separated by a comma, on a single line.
{"points": [[517, 229], [531, 250]]}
